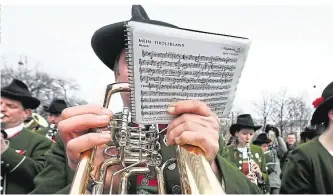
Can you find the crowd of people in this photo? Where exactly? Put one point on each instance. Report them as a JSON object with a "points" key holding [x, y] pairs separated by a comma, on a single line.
{"points": [[44, 161]]}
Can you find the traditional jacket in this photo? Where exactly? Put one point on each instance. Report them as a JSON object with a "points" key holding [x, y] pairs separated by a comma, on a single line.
{"points": [[309, 170], [45, 131], [232, 154], [57, 176], [22, 161]]}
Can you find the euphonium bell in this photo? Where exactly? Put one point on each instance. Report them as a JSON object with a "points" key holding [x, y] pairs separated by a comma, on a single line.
{"points": [[37, 120], [138, 152]]}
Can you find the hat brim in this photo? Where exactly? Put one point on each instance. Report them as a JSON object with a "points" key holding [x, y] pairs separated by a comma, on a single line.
{"points": [[236, 127], [27, 101], [260, 142], [320, 115], [307, 133], [108, 41], [47, 109]]}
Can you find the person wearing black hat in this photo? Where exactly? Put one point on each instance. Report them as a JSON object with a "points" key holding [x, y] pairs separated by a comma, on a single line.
{"points": [[54, 116], [272, 162], [238, 153], [22, 151], [309, 169], [278, 144], [108, 43], [311, 132]]}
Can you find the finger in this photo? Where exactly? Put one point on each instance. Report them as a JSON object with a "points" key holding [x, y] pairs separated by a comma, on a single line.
{"points": [[78, 125], [202, 120], [84, 109], [82, 143], [190, 106], [206, 143], [250, 177], [172, 134], [255, 166]]}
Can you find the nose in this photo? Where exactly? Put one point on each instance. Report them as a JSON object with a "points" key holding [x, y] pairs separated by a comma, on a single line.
{"points": [[3, 107]]}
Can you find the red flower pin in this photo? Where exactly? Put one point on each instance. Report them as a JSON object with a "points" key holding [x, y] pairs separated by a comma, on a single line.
{"points": [[317, 102]]}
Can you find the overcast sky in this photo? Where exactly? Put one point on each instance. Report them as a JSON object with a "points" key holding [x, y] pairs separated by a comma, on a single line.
{"points": [[291, 48]]}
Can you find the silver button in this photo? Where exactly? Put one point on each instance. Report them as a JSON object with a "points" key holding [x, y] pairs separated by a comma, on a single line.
{"points": [[176, 189], [240, 162], [240, 168], [172, 167]]}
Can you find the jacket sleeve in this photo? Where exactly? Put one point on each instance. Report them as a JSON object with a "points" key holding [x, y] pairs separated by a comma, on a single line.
{"points": [[234, 180], [263, 166], [53, 177], [282, 147], [27, 167], [265, 186], [297, 174]]}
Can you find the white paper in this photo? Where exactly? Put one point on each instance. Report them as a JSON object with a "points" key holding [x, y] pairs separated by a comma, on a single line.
{"points": [[173, 64]]}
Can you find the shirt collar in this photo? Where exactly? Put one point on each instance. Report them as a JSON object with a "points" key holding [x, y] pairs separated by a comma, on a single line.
{"points": [[14, 130]]}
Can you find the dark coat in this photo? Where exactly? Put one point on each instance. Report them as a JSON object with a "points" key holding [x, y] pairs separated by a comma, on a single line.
{"points": [[23, 160], [56, 175], [309, 170]]}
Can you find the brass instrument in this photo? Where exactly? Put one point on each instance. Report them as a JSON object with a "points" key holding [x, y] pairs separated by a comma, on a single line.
{"points": [[138, 153], [37, 120]]}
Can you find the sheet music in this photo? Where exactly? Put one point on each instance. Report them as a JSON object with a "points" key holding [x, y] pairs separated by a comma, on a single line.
{"points": [[172, 65]]}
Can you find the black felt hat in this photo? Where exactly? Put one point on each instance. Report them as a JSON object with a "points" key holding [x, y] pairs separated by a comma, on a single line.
{"points": [[243, 121], [262, 139], [323, 105], [108, 41], [56, 106], [19, 91]]}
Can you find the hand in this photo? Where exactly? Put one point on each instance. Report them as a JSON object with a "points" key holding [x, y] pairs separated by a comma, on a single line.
{"points": [[73, 129], [256, 169], [252, 177], [4, 144], [195, 125]]}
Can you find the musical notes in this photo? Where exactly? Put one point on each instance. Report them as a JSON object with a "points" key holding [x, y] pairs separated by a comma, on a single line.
{"points": [[171, 68], [168, 77]]}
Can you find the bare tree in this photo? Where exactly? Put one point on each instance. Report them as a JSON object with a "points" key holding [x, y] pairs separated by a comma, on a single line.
{"points": [[298, 113], [264, 108], [225, 123], [280, 109], [42, 85]]}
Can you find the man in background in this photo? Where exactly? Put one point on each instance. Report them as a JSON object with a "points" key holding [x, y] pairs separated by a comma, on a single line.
{"points": [[272, 162], [291, 145], [54, 116], [22, 151]]}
